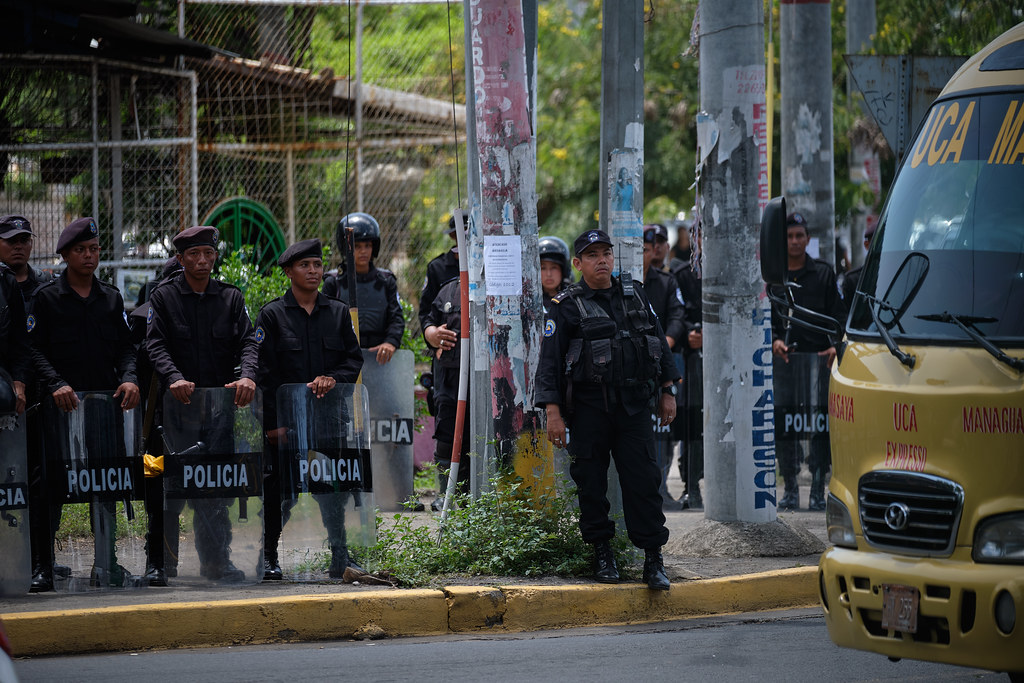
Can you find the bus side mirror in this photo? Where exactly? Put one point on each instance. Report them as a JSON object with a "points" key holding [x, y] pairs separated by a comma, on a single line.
{"points": [[773, 242]]}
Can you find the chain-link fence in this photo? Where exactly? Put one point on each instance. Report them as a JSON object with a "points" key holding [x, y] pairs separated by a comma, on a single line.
{"points": [[96, 138], [328, 109], [308, 111]]}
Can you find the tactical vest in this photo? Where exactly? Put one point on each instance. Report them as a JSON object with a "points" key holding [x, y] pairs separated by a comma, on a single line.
{"points": [[373, 302], [608, 354]]}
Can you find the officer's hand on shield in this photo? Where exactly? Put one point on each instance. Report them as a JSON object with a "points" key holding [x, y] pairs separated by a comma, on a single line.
{"points": [[780, 349], [65, 398], [245, 389], [321, 385], [556, 426], [384, 352], [182, 390], [666, 409], [130, 391], [19, 397]]}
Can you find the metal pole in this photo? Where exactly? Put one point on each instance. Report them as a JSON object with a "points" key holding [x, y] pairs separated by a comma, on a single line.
{"points": [[359, 108], [805, 61], [289, 159], [739, 454], [116, 176], [481, 426], [95, 140], [861, 25], [622, 132]]}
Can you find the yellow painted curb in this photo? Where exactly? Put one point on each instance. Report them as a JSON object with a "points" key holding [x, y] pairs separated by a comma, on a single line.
{"points": [[392, 613], [373, 614]]}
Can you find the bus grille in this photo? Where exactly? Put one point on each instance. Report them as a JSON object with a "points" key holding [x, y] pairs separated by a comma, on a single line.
{"points": [[909, 512]]}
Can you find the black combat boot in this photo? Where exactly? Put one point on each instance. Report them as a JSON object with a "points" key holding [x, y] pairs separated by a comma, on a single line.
{"points": [[816, 500], [271, 567], [791, 498], [654, 570], [605, 570], [42, 579]]}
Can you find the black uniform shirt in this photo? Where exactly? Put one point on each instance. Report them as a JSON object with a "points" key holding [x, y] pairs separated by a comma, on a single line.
{"points": [[15, 356], [690, 288], [296, 347], [667, 302], [380, 310], [563, 325], [200, 337], [83, 343], [818, 292], [439, 271], [446, 309]]}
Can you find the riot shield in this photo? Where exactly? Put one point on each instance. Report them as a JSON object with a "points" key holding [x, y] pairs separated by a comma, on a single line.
{"points": [[15, 560], [392, 413], [213, 488], [801, 418], [327, 479], [92, 457]]}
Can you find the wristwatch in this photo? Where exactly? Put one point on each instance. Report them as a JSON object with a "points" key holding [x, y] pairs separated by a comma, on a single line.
{"points": [[670, 390]]}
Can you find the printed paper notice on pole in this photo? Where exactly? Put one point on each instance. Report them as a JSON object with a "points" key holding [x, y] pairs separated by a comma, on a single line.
{"points": [[503, 264]]}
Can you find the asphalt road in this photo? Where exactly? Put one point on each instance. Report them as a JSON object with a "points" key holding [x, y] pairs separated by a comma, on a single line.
{"points": [[791, 646]]}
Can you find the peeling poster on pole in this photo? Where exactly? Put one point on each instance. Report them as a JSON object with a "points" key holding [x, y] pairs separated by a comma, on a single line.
{"points": [[503, 265]]}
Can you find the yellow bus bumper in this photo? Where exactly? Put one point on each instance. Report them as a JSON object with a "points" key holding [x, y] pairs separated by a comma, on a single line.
{"points": [[956, 616]]}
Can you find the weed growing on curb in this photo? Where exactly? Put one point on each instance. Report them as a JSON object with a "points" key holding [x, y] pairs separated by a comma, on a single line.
{"points": [[510, 530]]}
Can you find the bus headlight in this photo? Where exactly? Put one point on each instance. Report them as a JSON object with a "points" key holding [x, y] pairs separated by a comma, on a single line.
{"points": [[839, 524], [1000, 539]]}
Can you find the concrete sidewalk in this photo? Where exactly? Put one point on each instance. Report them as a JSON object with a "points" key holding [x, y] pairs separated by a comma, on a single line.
{"points": [[702, 584]]}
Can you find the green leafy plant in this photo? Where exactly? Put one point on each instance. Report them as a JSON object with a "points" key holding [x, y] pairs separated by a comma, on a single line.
{"points": [[510, 530], [259, 289]]}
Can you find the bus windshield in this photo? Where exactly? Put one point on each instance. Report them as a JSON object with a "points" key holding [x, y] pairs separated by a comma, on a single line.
{"points": [[959, 200]]}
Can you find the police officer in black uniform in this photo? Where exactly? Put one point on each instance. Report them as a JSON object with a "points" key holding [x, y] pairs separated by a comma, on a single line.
{"points": [[304, 336], [666, 301], [22, 279], [555, 274], [690, 429], [198, 333], [15, 361], [381, 322], [80, 342], [149, 386], [605, 366], [16, 239], [442, 326], [816, 290], [440, 270]]}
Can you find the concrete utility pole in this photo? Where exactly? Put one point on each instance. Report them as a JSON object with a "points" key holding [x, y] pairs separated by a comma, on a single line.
{"points": [[861, 25], [805, 63], [507, 158], [622, 132], [739, 441]]}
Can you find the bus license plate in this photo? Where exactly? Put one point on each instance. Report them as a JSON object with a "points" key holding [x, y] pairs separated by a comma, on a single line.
{"points": [[899, 607]]}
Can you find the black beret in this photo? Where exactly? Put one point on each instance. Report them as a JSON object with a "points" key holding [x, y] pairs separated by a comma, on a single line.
{"points": [[11, 225], [305, 249], [196, 236], [79, 230], [590, 237]]}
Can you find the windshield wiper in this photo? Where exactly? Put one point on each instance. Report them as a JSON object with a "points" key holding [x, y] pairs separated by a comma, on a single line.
{"points": [[901, 355], [967, 324]]}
